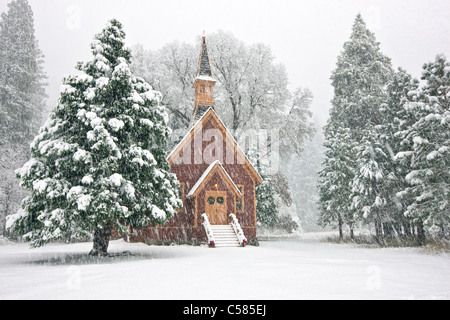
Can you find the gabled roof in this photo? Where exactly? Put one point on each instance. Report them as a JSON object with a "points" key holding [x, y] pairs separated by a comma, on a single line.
{"points": [[215, 167], [211, 114]]}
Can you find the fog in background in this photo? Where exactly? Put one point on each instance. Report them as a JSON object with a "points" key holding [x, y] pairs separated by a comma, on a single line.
{"points": [[305, 36]]}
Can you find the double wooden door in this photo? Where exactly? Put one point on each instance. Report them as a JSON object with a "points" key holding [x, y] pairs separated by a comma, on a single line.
{"points": [[216, 207]]}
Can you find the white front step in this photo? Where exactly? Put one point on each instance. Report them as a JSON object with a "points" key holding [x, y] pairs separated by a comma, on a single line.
{"points": [[224, 236]]}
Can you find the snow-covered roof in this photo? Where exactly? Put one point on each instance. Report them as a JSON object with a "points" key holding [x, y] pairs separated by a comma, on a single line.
{"points": [[206, 78], [205, 174], [229, 135], [188, 133], [238, 146]]}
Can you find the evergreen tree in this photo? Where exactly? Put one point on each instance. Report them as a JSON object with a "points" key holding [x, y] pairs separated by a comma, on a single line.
{"points": [[359, 82], [22, 94], [335, 179], [22, 99], [395, 122], [370, 194], [98, 164], [266, 206], [429, 142]]}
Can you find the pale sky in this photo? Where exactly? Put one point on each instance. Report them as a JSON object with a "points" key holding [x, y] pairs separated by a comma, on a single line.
{"points": [[305, 36]]}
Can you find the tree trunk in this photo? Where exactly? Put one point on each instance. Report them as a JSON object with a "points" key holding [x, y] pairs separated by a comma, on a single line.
{"points": [[406, 228], [101, 241], [341, 234], [387, 229], [379, 231], [420, 234]]}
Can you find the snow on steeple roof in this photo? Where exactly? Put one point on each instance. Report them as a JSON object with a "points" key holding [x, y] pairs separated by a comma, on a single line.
{"points": [[204, 67]]}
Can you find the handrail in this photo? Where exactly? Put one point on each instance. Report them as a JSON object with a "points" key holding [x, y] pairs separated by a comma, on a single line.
{"points": [[238, 230], [209, 234]]}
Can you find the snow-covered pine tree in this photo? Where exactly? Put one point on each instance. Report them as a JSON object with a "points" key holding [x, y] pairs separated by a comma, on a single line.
{"points": [[395, 123], [359, 82], [266, 206], [22, 79], [429, 139], [22, 99], [335, 179], [370, 194], [99, 163]]}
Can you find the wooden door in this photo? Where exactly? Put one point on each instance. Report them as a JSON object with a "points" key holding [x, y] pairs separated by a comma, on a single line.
{"points": [[216, 207]]}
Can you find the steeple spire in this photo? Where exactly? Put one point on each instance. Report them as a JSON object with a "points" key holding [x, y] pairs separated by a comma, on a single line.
{"points": [[203, 85], [204, 68]]}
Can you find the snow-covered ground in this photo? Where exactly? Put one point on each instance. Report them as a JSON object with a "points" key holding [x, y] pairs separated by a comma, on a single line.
{"points": [[302, 268]]}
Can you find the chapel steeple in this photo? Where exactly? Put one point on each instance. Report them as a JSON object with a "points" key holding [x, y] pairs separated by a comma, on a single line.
{"points": [[203, 85]]}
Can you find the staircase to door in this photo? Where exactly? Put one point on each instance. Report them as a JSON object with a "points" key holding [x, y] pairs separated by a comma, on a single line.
{"points": [[224, 236]]}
